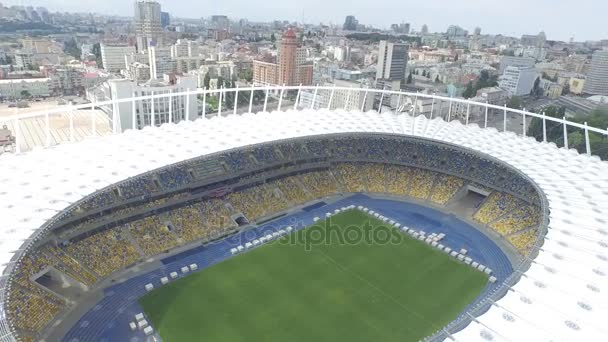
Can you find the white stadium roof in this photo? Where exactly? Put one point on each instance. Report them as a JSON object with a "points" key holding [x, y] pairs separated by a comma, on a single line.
{"points": [[562, 297]]}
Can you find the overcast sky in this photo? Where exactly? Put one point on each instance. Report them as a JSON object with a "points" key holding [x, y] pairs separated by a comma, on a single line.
{"points": [[560, 19]]}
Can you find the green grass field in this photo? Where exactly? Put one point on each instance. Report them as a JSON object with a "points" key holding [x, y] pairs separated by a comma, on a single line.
{"points": [[333, 292]]}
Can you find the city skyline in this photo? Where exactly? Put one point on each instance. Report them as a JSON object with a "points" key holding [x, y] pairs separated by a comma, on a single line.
{"points": [[556, 18]]}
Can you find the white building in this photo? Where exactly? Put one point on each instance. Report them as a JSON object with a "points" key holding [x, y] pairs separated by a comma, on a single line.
{"points": [[354, 99], [113, 56], [521, 62], [24, 60], [597, 78], [518, 81], [392, 61], [225, 70], [185, 48], [493, 95], [160, 62], [162, 110], [342, 53], [350, 100], [85, 51], [138, 72], [186, 64], [148, 28], [22, 88]]}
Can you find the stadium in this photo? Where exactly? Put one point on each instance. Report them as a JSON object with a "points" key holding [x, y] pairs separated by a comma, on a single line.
{"points": [[204, 229]]}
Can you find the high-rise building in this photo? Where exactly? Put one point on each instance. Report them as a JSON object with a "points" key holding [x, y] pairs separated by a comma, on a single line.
{"points": [[113, 56], [287, 58], [507, 61], [166, 109], [185, 48], [403, 28], [518, 81], [424, 29], [148, 28], [456, 31], [220, 22], [290, 67], [165, 19], [392, 61], [160, 62], [597, 78], [534, 40], [350, 23]]}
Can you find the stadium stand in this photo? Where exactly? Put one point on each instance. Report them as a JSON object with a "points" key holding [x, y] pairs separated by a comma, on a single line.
{"points": [[138, 187], [238, 160], [206, 168], [188, 223], [100, 200], [174, 178], [258, 201], [445, 188], [496, 205], [398, 179], [348, 175], [375, 176], [524, 241], [153, 235], [105, 252], [319, 183], [32, 312], [265, 155], [291, 151], [292, 190], [216, 216], [520, 218], [32, 307], [71, 266], [422, 183]]}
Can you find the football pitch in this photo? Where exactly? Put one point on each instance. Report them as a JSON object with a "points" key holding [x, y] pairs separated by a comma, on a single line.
{"points": [[348, 287]]}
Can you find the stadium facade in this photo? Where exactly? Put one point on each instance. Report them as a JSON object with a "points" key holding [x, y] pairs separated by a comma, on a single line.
{"points": [[555, 293]]}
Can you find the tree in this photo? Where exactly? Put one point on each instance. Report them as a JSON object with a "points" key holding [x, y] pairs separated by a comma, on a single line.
{"points": [[437, 79], [469, 91], [273, 38], [566, 89], [247, 75], [97, 52], [71, 48], [228, 96], [206, 81], [409, 78], [536, 91], [25, 94], [576, 138], [554, 129], [6, 60], [515, 102]]}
